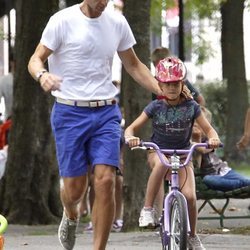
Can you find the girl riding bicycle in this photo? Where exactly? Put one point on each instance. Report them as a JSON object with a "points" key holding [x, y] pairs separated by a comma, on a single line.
{"points": [[172, 117]]}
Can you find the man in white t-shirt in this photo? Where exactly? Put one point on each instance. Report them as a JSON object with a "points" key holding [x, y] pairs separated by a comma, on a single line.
{"points": [[79, 43]]}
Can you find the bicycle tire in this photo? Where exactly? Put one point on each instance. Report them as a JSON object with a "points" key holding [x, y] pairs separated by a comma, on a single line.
{"points": [[178, 224]]}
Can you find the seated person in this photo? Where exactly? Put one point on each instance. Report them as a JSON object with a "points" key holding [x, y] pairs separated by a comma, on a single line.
{"points": [[216, 173]]}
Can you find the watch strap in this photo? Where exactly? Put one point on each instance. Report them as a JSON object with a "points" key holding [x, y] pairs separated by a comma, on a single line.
{"points": [[40, 73]]}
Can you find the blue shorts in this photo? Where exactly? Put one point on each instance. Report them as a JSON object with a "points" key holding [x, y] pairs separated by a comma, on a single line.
{"points": [[85, 136]]}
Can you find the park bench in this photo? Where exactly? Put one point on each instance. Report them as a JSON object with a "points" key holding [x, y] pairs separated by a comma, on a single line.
{"points": [[208, 196]]}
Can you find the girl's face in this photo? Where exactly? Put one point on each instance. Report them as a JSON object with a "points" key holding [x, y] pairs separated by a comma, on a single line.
{"points": [[172, 90]]}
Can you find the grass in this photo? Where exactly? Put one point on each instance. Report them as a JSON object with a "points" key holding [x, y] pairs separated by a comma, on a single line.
{"points": [[242, 168]]}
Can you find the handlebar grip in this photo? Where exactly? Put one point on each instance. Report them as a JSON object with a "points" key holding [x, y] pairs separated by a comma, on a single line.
{"points": [[220, 146]]}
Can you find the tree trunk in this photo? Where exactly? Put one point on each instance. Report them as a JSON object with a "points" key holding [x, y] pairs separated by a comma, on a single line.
{"points": [[135, 99], [30, 191], [234, 72]]}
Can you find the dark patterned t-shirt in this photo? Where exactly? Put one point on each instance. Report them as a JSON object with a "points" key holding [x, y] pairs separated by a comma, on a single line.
{"points": [[172, 125]]}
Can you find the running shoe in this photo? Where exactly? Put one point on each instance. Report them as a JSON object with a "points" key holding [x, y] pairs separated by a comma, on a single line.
{"points": [[117, 226], [147, 218], [67, 232], [89, 228]]}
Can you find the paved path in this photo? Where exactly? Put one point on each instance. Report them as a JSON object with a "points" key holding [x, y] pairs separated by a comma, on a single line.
{"points": [[45, 237], [122, 241]]}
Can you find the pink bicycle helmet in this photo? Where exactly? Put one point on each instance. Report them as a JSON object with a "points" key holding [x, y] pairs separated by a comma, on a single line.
{"points": [[170, 69]]}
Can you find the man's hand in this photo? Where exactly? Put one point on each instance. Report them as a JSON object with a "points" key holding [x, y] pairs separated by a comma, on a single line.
{"points": [[50, 82]]}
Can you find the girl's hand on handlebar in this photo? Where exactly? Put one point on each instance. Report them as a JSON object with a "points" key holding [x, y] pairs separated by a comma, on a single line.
{"points": [[214, 142], [132, 141]]}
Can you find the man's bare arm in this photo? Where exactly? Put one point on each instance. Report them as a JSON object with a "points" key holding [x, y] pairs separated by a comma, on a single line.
{"points": [[139, 71], [37, 69]]}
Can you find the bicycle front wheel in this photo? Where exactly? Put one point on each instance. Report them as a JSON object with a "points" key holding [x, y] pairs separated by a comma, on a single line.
{"points": [[178, 223], [163, 234]]}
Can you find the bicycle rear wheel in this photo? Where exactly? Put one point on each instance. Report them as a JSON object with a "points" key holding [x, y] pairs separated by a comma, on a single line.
{"points": [[178, 224]]}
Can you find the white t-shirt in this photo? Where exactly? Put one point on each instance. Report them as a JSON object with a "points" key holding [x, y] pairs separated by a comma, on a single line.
{"points": [[83, 51]]}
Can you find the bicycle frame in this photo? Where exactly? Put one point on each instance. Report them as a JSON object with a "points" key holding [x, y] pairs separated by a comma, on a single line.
{"points": [[168, 201], [175, 164]]}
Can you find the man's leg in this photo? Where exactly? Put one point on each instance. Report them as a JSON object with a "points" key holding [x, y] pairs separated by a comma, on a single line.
{"points": [[72, 192], [104, 204]]}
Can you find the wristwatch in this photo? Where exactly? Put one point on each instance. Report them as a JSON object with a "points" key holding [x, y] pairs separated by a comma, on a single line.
{"points": [[40, 73]]}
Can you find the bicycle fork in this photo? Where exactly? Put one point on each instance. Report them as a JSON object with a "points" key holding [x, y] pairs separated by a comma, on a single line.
{"points": [[175, 160]]}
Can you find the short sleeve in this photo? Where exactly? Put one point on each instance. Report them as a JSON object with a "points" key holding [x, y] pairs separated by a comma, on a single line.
{"points": [[149, 109], [128, 40], [52, 34], [197, 110]]}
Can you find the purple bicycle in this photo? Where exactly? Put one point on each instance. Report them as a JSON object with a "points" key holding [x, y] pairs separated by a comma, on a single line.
{"points": [[174, 221]]}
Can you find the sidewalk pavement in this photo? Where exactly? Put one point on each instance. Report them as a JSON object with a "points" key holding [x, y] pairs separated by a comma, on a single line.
{"points": [[117, 241], [20, 237]]}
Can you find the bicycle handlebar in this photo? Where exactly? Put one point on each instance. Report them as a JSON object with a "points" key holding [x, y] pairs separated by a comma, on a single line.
{"points": [[161, 152]]}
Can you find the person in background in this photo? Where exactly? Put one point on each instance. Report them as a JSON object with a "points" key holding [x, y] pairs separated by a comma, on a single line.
{"points": [[3, 159], [6, 91], [4, 144], [6, 88], [245, 139], [89, 196], [172, 121], [79, 43], [215, 172]]}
